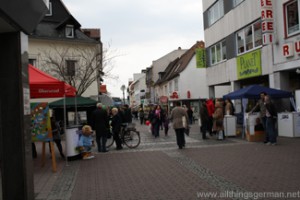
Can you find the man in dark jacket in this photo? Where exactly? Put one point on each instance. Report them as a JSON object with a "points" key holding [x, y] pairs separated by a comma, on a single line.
{"points": [[100, 123], [271, 115]]}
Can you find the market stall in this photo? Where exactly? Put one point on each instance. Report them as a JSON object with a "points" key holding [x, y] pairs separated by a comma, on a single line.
{"points": [[43, 85], [253, 92]]}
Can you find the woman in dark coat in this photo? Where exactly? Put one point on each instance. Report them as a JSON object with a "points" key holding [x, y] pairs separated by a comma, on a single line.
{"points": [[204, 120], [116, 122]]}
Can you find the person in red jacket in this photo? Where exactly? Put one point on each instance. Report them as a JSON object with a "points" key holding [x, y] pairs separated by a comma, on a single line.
{"points": [[210, 109]]}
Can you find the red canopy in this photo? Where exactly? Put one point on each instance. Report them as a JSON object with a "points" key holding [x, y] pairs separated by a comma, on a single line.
{"points": [[43, 85]]}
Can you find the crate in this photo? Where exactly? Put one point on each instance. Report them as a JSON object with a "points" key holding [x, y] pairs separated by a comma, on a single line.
{"points": [[259, 136]]}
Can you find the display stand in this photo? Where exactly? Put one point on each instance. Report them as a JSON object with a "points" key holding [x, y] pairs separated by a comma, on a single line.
{"points": [[72, 139], [251, 134], [289, 124], [230, 125]]}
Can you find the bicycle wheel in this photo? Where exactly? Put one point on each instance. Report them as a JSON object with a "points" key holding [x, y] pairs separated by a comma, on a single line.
{"points": [[132, 138], [110, 141]]}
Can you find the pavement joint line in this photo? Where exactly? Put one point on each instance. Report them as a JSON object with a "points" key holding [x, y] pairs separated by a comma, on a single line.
{"points": [[205, 174]]}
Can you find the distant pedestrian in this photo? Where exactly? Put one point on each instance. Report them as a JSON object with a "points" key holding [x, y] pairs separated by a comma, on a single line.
{"points": [[100, 123], [210, 109], [178, 116], [271, 115], [156, 120], [218, 118], [56, 131], [190, 113], [204, 120], [166, 124], [229, 109], [116, 122], [141, 115]]}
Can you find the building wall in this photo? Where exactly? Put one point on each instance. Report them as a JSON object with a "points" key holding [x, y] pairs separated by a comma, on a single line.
{"points": [[37, 47], [193, 79]]}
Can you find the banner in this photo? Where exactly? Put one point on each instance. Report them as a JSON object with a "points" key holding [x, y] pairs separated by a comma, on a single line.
{"points": [[200, 58], [249, 65], [40, 123]]}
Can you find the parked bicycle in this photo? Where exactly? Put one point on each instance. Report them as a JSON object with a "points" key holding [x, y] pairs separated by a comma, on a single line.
{"points": [[129, 136]]}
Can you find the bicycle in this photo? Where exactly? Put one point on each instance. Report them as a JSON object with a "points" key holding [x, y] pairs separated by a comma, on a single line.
{"points": [[129, 136]]}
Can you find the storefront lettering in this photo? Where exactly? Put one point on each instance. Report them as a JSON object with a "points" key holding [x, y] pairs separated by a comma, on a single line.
{"points": [[267, 21], [250, 62], [289, 49], [249, 65]]}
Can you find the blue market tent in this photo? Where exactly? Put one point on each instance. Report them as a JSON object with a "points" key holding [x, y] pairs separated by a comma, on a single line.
{"points": [[253, 91]]}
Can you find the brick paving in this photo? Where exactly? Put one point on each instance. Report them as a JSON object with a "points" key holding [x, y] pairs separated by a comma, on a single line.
{"points": [[157, 169]]}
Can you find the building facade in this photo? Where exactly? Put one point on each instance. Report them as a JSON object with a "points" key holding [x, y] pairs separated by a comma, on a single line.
{"points": [[252, 42], [152, 73], [61, 48]]}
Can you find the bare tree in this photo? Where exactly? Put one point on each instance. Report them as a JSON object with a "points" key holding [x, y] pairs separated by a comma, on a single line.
{"points": [[79, 66]]}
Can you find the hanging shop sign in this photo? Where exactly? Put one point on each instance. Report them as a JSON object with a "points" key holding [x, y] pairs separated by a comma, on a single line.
{"points": [[249, 65], [290, 49], [267, 21]]}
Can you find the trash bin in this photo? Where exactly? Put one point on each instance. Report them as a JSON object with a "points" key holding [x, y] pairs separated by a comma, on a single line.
{"points": [[72, 138]]}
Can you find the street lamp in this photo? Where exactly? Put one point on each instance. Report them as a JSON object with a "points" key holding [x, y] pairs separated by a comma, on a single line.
{"points": [[123, 88]]}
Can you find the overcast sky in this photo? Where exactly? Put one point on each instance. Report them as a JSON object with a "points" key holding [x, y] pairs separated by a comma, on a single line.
{"points": [[140, 31]]}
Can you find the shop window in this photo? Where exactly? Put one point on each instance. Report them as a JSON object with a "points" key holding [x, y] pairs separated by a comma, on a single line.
{"points": [[218, 53], [69, 31], [249, 38], [292, 17]]}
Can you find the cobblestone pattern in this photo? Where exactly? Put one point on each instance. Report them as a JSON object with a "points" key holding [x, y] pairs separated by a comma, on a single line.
{"points": [[205, 174], [139, 175], [256, 167]]}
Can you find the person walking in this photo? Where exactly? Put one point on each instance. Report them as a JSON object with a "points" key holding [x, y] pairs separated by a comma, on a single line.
{"points": [[271, 115], [141, 115], [190, 113], [116, 122], [178, 116], [204, 120], [100, 123], [156, 120], [210, 109], [166, 122], [56, 131], [218, 118]]}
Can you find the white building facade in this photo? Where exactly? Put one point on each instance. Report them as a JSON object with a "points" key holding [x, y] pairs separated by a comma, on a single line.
{"points": [[252, 42]]}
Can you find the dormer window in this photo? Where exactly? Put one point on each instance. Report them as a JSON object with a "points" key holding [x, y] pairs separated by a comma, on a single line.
{"points": [[69, 31], [49, 13]]}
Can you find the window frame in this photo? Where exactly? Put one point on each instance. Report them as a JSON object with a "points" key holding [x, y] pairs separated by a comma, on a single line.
{"points": [[71, 27], [237, 2], [49, 13], [286, 18], [215, 12], [68, 71], [253, 43], [219, 56]]}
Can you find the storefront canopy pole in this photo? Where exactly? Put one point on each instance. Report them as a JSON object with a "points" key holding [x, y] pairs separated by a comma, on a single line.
{"points": [[65, 128]]}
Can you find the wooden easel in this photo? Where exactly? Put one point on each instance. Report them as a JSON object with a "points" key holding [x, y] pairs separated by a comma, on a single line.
{"points": [[52, 155]]}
